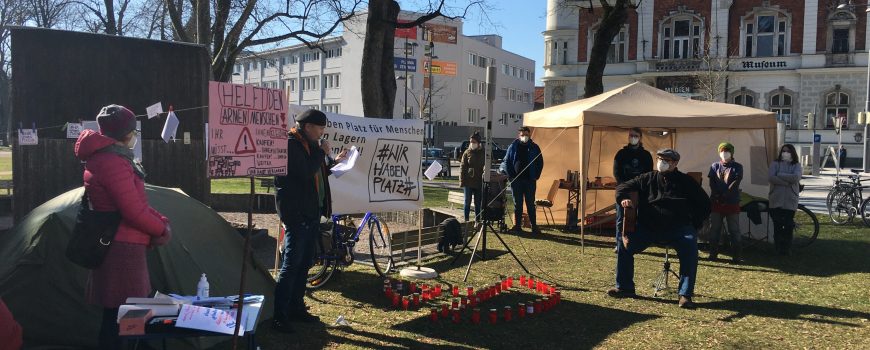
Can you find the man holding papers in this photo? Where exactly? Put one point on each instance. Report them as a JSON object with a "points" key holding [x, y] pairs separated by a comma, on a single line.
{"points": [[302, 197]]}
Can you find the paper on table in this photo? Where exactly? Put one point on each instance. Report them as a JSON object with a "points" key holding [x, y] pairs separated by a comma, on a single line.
{"points": [[433, 170], [346, 164], [170, 127], [208, 319], [154, 110]]}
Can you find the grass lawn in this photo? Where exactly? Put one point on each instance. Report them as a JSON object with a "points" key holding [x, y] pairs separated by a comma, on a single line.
{"points": [[237, 185], [5, 167], [816, 298]]}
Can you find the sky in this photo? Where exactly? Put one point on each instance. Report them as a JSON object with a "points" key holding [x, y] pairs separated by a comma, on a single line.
{"points": [[520, 24]]}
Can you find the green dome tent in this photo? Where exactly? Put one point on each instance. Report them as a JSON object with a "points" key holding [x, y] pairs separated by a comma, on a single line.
{"points": [[45, 292]]}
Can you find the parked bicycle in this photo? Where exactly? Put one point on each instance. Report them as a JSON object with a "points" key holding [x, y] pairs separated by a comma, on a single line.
{"points": [[806, 224], [845, 199], [337, 247]]}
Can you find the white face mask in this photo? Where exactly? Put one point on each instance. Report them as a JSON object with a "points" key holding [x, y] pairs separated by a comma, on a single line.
{"points": [[662, 165], [524, 139], [786, 156], [132, 142], [475, 146], [725, 155], [634, 140]]}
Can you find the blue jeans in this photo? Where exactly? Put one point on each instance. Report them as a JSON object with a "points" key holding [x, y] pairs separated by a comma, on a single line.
{"points": [[477, 193], [620, 217], [523, 190], [684, 239], [297, 259]]}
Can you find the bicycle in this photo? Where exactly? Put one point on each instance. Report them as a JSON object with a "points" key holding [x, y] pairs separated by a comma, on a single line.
{"points": [[806, 224], [336, 247], [865, 211], [844, 199]]}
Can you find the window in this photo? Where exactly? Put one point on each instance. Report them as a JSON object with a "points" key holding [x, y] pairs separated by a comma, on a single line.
{"points": [[294, 59], [473, 115], [682, 37], [271, 63], [332, 53], [744, 99], [616, 53], [841, 41], [505, 69], [482, 61], [513, 95], [780, 103], [332, 108], [836, 105], [293, 84], [504, 118], [557, 52], [472, 86], [472, 58], [765, 34], [527, 97], [481, 88], [331, 81], [253, 64]]}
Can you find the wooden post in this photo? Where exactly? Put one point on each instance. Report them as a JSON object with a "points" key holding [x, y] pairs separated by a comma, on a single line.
{"points": [[247, 245]]}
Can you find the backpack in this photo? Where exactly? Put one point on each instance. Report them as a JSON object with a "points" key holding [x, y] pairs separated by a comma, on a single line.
{"points": [[450, 235]]}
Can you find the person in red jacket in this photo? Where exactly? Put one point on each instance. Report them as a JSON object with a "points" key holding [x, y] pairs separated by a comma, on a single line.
{"points": [[10, 331], [115, 182]]}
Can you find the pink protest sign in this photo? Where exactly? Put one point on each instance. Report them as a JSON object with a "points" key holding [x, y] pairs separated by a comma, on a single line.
{"points": [[247, 133]]}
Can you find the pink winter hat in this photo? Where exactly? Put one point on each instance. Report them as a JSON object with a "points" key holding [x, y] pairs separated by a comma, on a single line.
{"points": [[116, 121]]}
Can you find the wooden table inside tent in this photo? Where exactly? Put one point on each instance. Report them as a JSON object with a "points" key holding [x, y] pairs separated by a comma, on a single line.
{"points": [[574, 204]]}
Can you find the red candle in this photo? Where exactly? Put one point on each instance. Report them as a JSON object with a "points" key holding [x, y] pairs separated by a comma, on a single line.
{"points": [[425, 295], [475, 316], [433, 314], [508, 314], [531, 284], [456, 317], [455, 303], [546, 304], [538, 307], [416, 299], [444, 311], [523, 280], [469, 291], [521, 310], [493, 316], [498, 288], [405, 303], [463, 301], [510, 283], [480, 296], [388, 291], [413, 287], [437, 290], [396, 300], [455, 291]]}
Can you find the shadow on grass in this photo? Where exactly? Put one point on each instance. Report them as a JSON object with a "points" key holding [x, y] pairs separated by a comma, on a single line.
{"points": [[786, 311]]}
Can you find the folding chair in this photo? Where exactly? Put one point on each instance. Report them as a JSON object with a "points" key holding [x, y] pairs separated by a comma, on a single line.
{"points": [[546, 205]]}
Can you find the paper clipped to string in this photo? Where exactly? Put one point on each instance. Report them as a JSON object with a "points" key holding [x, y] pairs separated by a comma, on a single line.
{"points": [[154, 110], [170, 127], [433, 170]]}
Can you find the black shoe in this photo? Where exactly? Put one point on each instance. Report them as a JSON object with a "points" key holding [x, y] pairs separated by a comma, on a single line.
{"points": [[305, 317], [536, 230], [686, 302], [713, 256], [282, 326], [621, 293], [516, 229]]}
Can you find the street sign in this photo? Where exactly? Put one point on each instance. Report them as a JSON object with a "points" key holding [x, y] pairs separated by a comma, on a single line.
{"points": [[405, 65], [817, 138]]}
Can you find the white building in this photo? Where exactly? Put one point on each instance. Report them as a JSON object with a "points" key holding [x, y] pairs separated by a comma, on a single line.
{"points": [[328, 79], [792, 57]]}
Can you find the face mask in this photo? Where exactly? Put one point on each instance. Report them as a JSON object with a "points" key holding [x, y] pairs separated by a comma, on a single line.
{"points": [[662, 166], [725, 155], [524, 139], [132, 142], [475, 146], [786, 156], [634, 140]]}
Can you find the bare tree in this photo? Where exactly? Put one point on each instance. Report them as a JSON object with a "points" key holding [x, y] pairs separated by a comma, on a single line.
{"points": [[613, 17], [379, 90], [47, 13], [12, 13], [109, 15], [713, 73]]}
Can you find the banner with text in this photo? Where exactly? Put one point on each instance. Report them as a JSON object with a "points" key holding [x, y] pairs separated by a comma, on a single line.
{"points": [[387, 175], [247, 131]]}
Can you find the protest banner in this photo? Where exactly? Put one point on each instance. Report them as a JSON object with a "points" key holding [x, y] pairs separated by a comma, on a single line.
{"points": [[387, 174], [247, 133]]}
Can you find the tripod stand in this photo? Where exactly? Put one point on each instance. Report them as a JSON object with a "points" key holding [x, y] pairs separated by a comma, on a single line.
{"points": [[489, 218], [661, 282]]}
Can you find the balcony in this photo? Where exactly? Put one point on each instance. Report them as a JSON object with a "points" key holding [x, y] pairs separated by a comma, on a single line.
{"points": [[839, 59], [679, 65]]}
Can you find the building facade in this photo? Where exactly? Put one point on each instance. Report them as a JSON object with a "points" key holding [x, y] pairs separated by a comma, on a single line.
{"points": [[787, 56], [328, 78]]}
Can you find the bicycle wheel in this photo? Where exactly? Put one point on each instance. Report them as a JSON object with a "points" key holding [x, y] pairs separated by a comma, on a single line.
{"points": [[321, 269], [865, 212], [840, 206], [380, 245], [806, 227]]}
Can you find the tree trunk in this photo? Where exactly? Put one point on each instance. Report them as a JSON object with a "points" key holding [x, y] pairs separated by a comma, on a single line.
{"points": [[378, 75], [203, 22], [611, 23], [111, 27]]}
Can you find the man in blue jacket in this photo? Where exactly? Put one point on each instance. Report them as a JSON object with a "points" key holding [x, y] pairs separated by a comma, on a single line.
{"points": [[523, 163]]}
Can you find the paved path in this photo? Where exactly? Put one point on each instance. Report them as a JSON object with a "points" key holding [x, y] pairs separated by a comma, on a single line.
{"points": [[816, 189]]}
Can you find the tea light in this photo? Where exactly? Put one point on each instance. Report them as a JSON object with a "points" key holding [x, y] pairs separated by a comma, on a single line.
{"points": [[475, 316], [444, 311], [433, 314], [406, 302], [493, 316], [469, 291], [508, 313], [455, 291], [413, 287], [437, 290], [521, 310], [456, 317]]}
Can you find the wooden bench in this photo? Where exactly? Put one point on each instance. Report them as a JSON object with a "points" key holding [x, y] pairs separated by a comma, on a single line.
{"points": [[407, 241], [7, 185], [456, 197], [268, 183]]}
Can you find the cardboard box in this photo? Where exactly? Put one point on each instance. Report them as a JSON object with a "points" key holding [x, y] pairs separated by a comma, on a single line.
{"points": [[133, 322]]}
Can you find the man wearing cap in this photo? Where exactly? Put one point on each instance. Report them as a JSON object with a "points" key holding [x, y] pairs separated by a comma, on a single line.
{"points": [[302, 197], [523, 163], [725, 176], [671, 208]]}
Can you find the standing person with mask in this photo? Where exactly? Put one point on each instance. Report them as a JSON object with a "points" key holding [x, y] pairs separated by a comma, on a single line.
{"points": [[631, 161], [114, 182], [471, 169], [671, 208], [725, 176], [302, 197], [523, 163], [784, 176]]}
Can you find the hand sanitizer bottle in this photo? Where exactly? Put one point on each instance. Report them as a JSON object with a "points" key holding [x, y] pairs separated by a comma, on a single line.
{"points": [[202, 288]]}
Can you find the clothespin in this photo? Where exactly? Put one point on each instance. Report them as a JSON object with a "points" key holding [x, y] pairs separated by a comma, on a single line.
{"points": [[34, 126]]}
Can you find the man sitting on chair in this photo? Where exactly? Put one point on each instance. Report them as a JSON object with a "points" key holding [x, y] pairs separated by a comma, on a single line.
{"points": [[671, 208]]}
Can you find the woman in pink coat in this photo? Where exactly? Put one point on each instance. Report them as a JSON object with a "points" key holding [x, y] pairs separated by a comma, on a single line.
{"points": [[115, 182]]}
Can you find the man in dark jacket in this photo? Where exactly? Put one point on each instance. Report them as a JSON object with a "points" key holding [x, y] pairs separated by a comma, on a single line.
{"points": [[302, 198], [523, 163], [631, 161], [671, 208]]}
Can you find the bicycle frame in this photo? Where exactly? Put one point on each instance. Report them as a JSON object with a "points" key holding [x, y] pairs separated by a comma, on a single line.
{"points": [[339, 242]]}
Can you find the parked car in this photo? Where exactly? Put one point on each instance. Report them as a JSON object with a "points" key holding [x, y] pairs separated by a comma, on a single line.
{"points": [[431, 155], [497, 152]]}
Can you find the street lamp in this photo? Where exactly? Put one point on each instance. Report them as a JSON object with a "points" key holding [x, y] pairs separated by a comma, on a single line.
{"points": [[866, 151], [430, 54]]}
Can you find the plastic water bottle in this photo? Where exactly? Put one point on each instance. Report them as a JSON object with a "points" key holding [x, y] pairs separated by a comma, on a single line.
{"points": [[202, 288]]}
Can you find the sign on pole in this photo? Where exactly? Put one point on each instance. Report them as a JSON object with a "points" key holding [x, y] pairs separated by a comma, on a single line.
{"points": [[247, 131]]}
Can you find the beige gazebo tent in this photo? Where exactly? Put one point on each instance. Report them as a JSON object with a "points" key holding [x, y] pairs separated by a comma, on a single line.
{"points": [[585, 135]]}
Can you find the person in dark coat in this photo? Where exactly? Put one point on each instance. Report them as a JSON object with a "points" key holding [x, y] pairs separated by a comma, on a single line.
{"points": [[671, 208], [523, 163], [302, 198], [115, 182], [725, 177], [629, 162], [471, 167]]}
